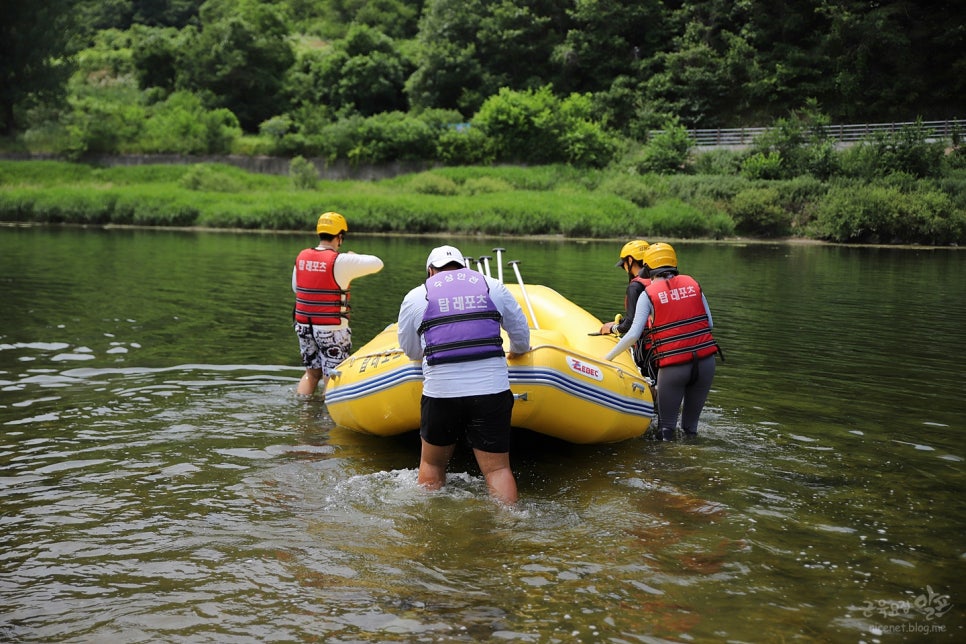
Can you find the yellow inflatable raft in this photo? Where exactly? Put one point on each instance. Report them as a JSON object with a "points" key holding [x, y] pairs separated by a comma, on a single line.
{"points": [[563, 388]]}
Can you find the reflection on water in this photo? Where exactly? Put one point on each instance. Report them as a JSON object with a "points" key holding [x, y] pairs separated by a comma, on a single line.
{"points": [[161, 482]]}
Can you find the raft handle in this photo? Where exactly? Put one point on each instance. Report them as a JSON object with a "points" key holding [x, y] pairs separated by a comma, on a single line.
{"points": [[522, 396]]}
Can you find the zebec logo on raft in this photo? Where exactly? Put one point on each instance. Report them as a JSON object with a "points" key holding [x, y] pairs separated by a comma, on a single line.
{"points": [[584, 369]]}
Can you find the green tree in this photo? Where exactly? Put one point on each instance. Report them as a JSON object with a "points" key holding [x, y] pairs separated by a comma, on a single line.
{"points": [[396, 18], [783, 42], [165, 13], [94, 15], [534, 126], [155, 54], [363, 73], [35, 57], [239, 58], [701, 80], [181, 124], [606, 39], [895, 60], [468, 49]]}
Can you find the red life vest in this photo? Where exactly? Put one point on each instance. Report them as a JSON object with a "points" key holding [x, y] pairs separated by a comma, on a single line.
{"points": [[642, 348], [643, 281], [680, 332], [318, 297]]}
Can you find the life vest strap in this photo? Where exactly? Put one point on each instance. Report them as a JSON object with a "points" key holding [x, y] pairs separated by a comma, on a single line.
{"points": [[679, 323], [433, 357], [695, 349], [322, 291], [465, 344], [460, 317], [681, 336]]}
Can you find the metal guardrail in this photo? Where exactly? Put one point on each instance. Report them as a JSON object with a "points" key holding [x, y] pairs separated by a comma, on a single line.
{"points": [[744, 136]]}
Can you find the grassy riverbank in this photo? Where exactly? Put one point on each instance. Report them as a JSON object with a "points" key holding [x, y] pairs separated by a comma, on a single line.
{"points": [[511, 200]]}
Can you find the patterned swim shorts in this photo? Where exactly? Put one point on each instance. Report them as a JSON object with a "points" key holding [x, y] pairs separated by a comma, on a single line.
{"points": [[323, 347]]}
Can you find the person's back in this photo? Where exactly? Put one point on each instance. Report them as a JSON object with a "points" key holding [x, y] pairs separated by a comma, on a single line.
{"points": [[321, 279], [452, 324], [681, 342]]}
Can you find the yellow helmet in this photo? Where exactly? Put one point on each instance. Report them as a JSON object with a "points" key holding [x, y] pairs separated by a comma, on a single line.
{"points": [[633, 249], [660, 255], [331, 223]]}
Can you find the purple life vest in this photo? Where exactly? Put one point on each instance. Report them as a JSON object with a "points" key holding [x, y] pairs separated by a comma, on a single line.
{"points": [[461, 322]]}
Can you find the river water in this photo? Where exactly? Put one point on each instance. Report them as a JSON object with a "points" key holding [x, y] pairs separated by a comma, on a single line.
{"points": [[161, 482]]}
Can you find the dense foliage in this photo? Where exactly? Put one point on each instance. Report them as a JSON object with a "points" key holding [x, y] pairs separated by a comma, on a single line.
{"points": [[584, 83], [294, 67], [616, 202]]}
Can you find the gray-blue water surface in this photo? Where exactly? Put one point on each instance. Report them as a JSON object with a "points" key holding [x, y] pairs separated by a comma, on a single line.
{"points": [[161, 482]]}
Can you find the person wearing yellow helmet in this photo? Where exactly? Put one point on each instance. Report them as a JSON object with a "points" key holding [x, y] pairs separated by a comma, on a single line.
{"points": [[631, 260], [678, 320], [320, 281]]}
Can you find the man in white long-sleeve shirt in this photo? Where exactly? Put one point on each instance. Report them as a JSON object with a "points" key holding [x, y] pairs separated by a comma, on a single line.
{"points": [[320, 280], [452, 324]]}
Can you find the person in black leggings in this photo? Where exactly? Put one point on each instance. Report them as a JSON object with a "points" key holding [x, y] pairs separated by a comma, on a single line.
{"points": [[676, 316]]}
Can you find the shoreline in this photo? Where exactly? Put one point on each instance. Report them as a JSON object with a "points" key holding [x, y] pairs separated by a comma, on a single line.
{"points": [[736, 241]]}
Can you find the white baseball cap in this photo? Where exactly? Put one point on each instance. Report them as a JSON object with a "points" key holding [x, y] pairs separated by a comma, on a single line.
{"points": [[443, 255]]}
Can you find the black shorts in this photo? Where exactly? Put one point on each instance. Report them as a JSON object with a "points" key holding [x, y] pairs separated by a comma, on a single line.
{"points": [[485, 419]]}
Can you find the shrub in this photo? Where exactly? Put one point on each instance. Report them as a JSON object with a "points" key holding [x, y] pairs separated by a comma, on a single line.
{"points": [[718, 162], [100, 127], [954, 186], [483, 185], [206, 178], [799, 197], [712, 188], [391, 136], [536, 127], [587, 144], [430, 183], [929, 217], [823, 160], [667, 151], [464, 146], [585, 141], [860, 161], [762, 165], [674, 218], [182, 125], [522, 125], [303, 173], [876, 213], [642, 191], [801, 142], [955, 158], [66, 204], [758, 211], [909, 151]]}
